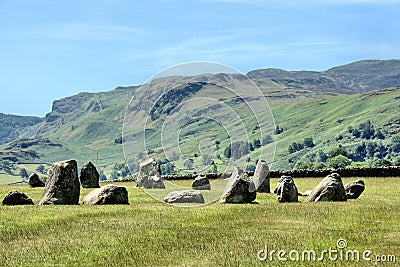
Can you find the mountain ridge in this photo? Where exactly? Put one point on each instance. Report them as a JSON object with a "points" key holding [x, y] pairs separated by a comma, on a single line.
{"points": [[356, 77]]}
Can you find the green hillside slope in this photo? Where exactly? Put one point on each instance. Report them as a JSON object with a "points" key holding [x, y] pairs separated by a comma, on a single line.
{"points": [[314, 125], [325, 120], [329, 122], [12, 126]]}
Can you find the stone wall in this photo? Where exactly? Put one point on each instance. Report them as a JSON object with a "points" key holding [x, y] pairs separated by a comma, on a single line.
{"points": [[355, 172]]}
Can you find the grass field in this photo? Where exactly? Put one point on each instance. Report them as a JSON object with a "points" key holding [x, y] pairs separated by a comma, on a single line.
{"points": [[149, 233], [7, 179]]}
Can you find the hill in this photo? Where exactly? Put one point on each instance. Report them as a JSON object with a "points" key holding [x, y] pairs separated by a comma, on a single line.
{"points": [[357, 77], [12, 126], [313, 116]]}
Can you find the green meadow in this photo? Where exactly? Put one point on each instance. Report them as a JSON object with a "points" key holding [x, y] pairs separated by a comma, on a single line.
{"points": [[149, 233]]}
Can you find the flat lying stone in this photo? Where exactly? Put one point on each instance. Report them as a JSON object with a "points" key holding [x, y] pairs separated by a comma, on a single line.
{"points": [[186, 196]]}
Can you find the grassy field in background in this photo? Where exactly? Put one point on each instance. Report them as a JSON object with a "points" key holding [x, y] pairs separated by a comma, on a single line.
{"points": [[150, 233], [7, 179]]}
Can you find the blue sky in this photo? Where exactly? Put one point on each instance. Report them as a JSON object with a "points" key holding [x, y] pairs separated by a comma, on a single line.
{"points": [[51, 49]]}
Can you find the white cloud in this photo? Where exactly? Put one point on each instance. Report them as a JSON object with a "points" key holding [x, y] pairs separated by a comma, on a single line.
{"points": [[79, 31]]}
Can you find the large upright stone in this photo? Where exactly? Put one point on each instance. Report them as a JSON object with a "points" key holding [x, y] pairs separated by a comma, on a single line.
{"points": [[354, 189], [89, 176], [17, 198], [286, 190], [34, 180], [108, 194], [62, 185], [329, 189], [261, 177], [238, 189], [150, 175], [201, 182]]}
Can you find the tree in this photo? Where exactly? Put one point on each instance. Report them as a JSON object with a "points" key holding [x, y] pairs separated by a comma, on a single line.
{"points": [[278, 130], [360, 151], [251, 147], [188, 164], [213, 168], [381, 163], [167, 168], [295, 147], [319, 166], [339, 161], [256, 143], [380, 151], [395, 144], [379, 134], [396, 161], [367, 130], [102, 176], [356, 133], [362, 164], [23, 173], [6, 166], [303, 165], [122, 169], [322, 156], [227, 152], [114, 175], [41, 169], [308, 142], [370, 149], [340, 150]]}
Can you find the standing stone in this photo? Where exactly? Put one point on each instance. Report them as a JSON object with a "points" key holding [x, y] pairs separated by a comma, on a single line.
{"points": [[261, 177], [150, 175], [354, 189], [329, 189], [238, 189], [62, 185], [89, 176], [286, 190], [108, 194], [34, 180], [17, 198], [186, 196], [201, 182]]}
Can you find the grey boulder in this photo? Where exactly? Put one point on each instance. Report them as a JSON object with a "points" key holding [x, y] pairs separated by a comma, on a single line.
{"points": [[150, 175], [354, 189], [286, 190], [108, 194], [89, 176], [238, 189], [329, 189], [34, 180], [15, 197], [201, 182], [186, 196], [62, 185]]}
